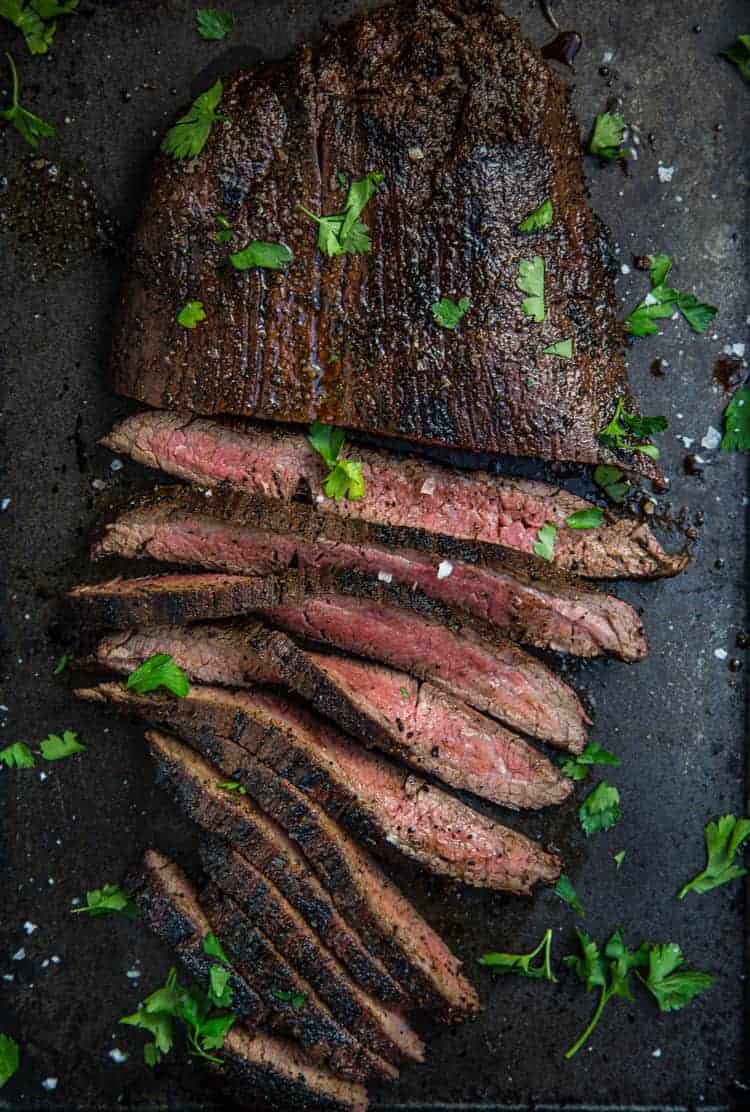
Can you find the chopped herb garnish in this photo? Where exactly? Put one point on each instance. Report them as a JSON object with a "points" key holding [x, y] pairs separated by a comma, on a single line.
{"points": [[232, 786], [269, 256], [544, 546], [159, 670], [191, 314], [618, 858], [213, 24], [404, 692], [344, 479], [9, 1058], [29, 127], [56, 748], [344, 233], [606, 140], [448, 313], [522, 963], [739, 53], [724, 839], [17, 755], [641, 320], [600, 809], [33, 20], [539, 218], [563, 348], [626, 428], [225, 232], [296, 999], [567, 893], [578, 768], [663, 301], [214, 948], [736, 436], [672, 986], [530, 280], [102, 901], [61, 665], [585, 519], [612, 481], [188, 136]]}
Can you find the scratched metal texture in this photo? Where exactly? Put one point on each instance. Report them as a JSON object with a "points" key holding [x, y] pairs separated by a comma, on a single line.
{"points": [[111, 83]]}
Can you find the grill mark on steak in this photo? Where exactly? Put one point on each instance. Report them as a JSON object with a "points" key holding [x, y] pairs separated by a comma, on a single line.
{"points": [[399, 490], [522, 596], [498, 135], [356, 613]]}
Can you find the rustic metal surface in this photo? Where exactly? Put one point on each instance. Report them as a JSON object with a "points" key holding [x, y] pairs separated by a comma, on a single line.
{"points": [[113, 79]]}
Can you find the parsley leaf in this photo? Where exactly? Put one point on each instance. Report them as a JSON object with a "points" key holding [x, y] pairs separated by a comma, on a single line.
{"points": [[626, 427], [100, 901], [610, 479], [9, 1058], [225, 232], [344, 233], [29, 127], [672, 986], [606, 140], [214, 948], [213, 24], [724, 839], [448, 313], [344, 479], [736, 436], [232, 786], [296, 999], [159, 670], [220, 991], [544, 546], [327, 441], [188, 136], [17, 755], [530, 280], [600, 809], [567, 893], [539, 218], [662, 302], [739, 53], [659, 268], [522, 963], [61, 664], [585, 519], [191, 314], [563, 348], [269, 256], [696, 313], [618, 858], [359, 195], [578, 768], [56, 748], [653, 307], [611, 978], [33, 20]]}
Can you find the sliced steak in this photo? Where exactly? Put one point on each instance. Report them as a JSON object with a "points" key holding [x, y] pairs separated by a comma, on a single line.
{"points": [[520, 595], [399, 490], [169, 904], [263, 965], [384, 1031], [265, 1073], [356, 613], [351, 339]]}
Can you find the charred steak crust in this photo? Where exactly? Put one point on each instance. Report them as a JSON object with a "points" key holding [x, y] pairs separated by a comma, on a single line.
{"points": [[454, 81]]}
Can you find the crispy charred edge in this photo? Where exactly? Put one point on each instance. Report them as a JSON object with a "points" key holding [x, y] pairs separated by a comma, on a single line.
{"points": [[170, 907], [260, 962], [263, 905]]}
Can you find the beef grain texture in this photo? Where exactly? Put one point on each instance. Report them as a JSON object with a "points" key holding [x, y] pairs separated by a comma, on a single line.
{"points": [[386, 622], [472, 131], [522, 596], [399, 490]]}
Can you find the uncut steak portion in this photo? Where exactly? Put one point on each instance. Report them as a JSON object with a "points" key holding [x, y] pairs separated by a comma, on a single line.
{"points": [[399, 490], [520, 595], [472, 131], [356, 613]]}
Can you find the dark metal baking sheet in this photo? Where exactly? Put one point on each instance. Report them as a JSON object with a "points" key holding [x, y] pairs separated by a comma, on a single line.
{"points": [[111, 82]]}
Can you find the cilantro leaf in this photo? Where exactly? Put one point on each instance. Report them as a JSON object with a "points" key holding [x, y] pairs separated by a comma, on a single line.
{"points": [[736, 436], [600, 809], [448, 313], [662, 302], [61, 665], [159, 670], [345, 480], [56, 748], [544, 546], [358, 197], [10, 1057], [696, 313], [659, 268], [296, 999], [29, 127], [213, 24], [522, 963], [344, 233], [188, 136], [610, 977], [724, 839], [563, 348], [578, 768], [618, 858], [225, 232], [33, 20], [17, 755], [232, 786], [530, 280], [191, 314], [606, 140], [626, 427], [655, 306], [567, 893], [585, 519], [612, 481], [539, 218], [214, 949], [327, 441], [100, 901], [220, 991], [739, 54], [269, 256], [214, 1030], [672, 986], [589, 964]]}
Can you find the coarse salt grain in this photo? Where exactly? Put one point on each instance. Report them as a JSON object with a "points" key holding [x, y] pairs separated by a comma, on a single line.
{"points": [[720, 654], [666, 173], [30, 927], [117, 1055], [711, 440], [50, 1084], [444, 570], [19, 954], [427, 487], [385, 576]]}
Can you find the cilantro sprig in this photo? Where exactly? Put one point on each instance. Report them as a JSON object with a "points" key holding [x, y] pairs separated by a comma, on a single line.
{"points": [[448, 313], [662, 302], [344, 478], [523, 964], [607, 136], [724, 839], [579, 767], [157, 671], [629, 432], [530, 281], [600, 809], [736, 436], [213, 24], [188, 137], [35, 19], [109, 898], [344, 233], [30, 127], [10, 1057]]}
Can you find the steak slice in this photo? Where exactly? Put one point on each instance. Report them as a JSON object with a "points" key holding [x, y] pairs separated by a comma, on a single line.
{"points": [[520, 595], [265, 1073], [170, 907], [262, 964], [384, 1031], [427, 729], [358, 614], [383, 922], [472, 132], [399, 490]]}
